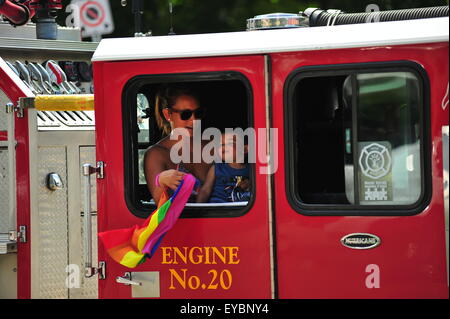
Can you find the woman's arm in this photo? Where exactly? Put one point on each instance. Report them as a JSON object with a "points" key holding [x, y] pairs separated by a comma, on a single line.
{"points": [[207, 187], [154, 164]]}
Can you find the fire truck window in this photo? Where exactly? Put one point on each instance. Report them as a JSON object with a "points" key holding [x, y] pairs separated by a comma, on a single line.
{"points": [[319, 141], [357, 139], [388, 137], [231, 110]]}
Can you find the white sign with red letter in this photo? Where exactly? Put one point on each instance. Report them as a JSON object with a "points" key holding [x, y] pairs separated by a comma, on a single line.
{"points": [[92, 16]]}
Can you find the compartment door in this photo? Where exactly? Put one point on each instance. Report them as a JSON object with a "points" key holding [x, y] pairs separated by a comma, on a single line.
{"points": [[201, 257], [15, 184], [359, 203]]}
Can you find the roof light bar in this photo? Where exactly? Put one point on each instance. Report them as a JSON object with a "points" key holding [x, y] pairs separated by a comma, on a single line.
{"points": [[277, 21]]}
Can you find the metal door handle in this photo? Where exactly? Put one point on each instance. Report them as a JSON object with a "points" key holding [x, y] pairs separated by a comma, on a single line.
{"points": [[88, 170], [126, 280], [54, 181], [87, 242]]}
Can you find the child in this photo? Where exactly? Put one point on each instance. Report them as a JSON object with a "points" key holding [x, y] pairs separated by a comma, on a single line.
{"points": [[227, 182]]}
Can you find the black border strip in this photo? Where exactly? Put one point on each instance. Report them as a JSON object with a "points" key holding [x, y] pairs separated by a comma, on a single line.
{"points": [[131, 171], [425, 154]]}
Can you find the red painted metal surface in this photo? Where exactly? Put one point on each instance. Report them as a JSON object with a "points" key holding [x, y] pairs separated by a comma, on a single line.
{"points": [[3, 135], [311, 261], [14, 88], [18, 14], [249, 233]]}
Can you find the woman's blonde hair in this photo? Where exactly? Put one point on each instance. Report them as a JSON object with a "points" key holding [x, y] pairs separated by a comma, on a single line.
{"points": [[166, 98]]}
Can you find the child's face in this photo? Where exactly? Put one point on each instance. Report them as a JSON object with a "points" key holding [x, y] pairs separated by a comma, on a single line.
{"points": [[229, 149]]}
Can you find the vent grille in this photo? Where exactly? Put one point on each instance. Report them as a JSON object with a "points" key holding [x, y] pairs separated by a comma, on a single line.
{"points": [[65, 120]]}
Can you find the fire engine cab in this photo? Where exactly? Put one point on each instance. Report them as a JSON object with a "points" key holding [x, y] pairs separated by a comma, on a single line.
{"points": [[349, 197]]}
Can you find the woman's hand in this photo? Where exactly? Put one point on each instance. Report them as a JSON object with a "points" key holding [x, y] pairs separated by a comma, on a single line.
{"points": [[170, 178]]}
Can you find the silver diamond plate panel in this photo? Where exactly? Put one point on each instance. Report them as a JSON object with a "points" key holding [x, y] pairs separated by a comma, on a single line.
{"points": [[53, 228], [8, 277], [3, 119], [89, 286], [4, 192]]}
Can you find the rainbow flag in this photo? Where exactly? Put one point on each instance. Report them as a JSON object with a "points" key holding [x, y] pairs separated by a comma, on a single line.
{"points": [[130, 246]]}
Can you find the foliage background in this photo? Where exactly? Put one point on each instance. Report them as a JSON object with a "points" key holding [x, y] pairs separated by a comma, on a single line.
{"points": [[205, 16]]}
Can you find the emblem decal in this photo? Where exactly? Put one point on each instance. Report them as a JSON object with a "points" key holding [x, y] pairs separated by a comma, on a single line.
{"points": [[375, 171], [361, 241], [375, 161]]}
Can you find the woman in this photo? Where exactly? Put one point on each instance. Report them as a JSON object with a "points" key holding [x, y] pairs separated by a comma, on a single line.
{"points": [[176, 108]]}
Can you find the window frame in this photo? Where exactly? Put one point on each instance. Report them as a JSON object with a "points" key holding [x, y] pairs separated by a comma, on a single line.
{"points": [[425, 139], [131, 145]]}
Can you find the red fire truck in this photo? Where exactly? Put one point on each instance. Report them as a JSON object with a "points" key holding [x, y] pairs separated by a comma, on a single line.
{"points": [[355, 204]]}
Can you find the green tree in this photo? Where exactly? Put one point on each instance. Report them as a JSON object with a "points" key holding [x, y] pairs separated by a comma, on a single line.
{"points": [[200, 16]]}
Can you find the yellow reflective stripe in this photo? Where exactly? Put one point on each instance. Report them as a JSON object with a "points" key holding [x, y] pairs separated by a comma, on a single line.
{"points": [[72, 102]]}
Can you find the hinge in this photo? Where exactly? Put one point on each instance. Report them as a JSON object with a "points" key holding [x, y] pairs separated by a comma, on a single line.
{"points": [[10, 108], [100, 170], [101, 271], [24, 103], [20, 236]]}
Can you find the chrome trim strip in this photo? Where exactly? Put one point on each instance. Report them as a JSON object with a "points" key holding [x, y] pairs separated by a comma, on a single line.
{"points": [[17, 44], [12, 170]]}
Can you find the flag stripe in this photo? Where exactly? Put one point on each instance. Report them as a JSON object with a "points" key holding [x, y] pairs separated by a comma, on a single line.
{"points": [[131, 246]]}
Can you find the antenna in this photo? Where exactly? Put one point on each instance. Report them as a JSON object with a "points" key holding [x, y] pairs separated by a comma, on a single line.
{"points": [[138, 9], [171, 18]]}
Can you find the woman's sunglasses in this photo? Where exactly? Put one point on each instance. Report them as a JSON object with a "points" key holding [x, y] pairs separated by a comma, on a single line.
{"points": [[186, 114]]}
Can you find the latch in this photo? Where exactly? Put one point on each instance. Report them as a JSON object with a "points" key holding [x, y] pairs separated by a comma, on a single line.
{"points": [[92, 271], [10, 108], [7, 246], [20, 236], [126, 280]]}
